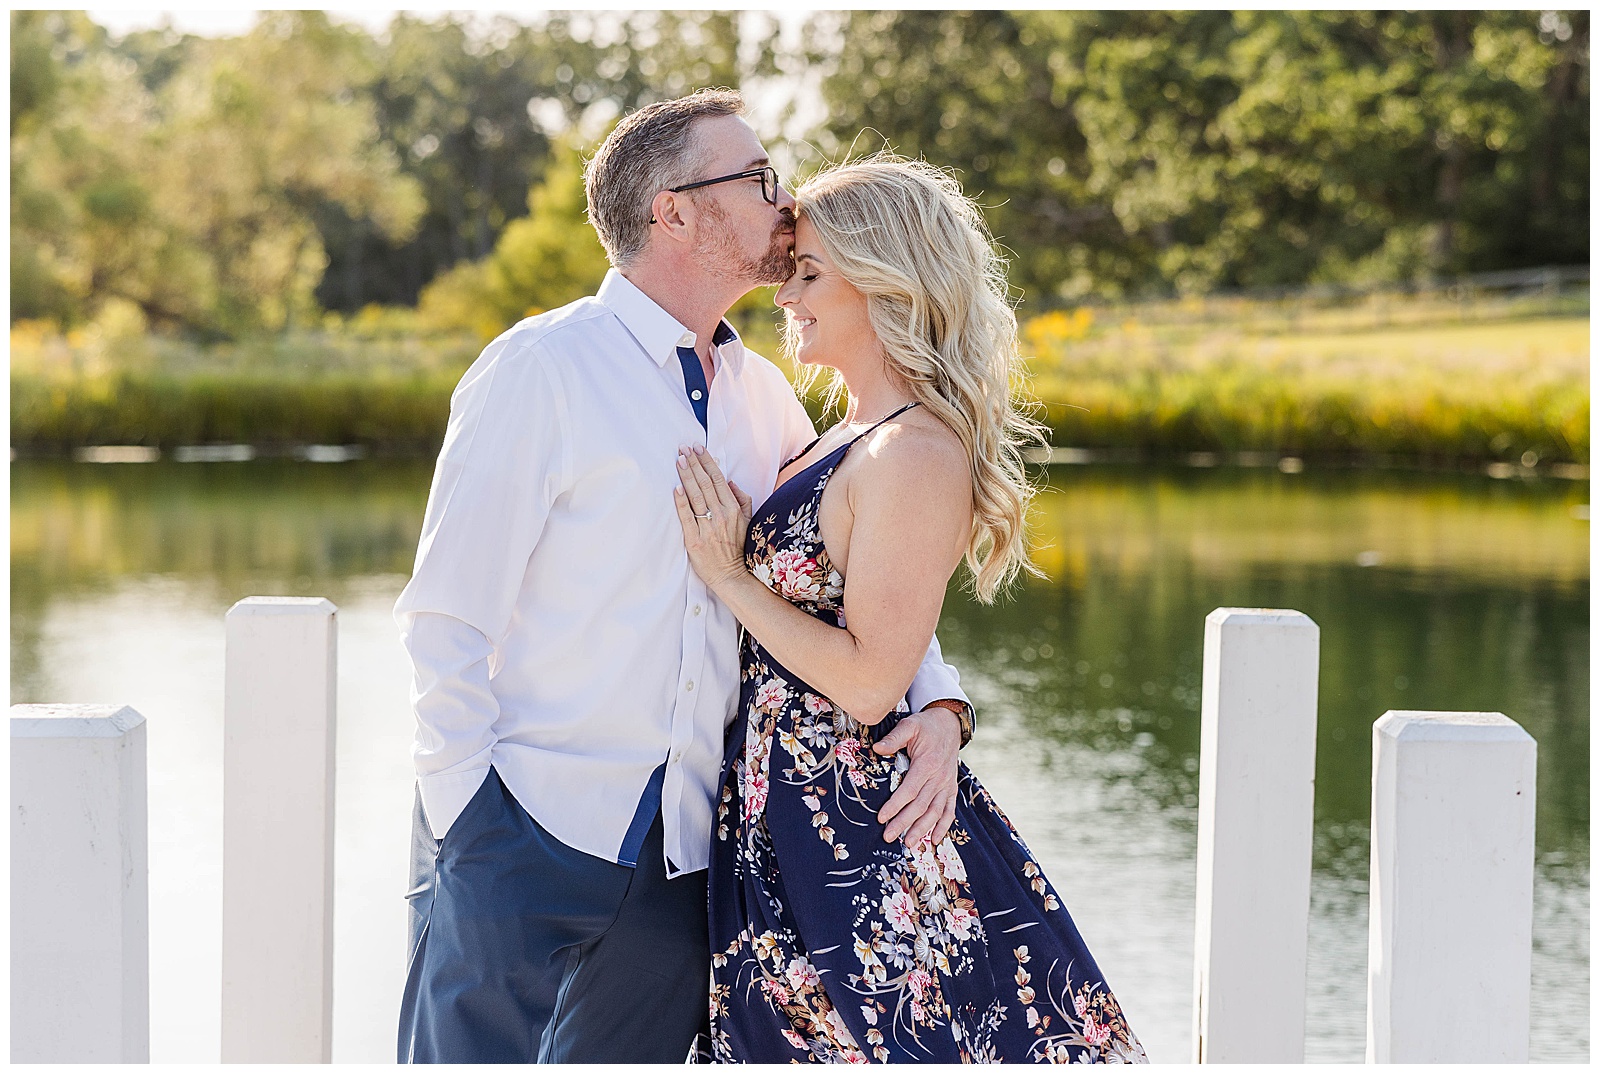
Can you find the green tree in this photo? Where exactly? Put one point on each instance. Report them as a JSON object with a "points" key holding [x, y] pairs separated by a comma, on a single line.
{"points": [[256, 132], [453, 109], [85, 229], [238, 184], [189, 193], [469, 110], [1258, 148], [543, 260], [1133, 152], [40, 216], [976, 92]]}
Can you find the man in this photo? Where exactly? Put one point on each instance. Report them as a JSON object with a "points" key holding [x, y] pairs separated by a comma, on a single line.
{"points": [[573, 679]]}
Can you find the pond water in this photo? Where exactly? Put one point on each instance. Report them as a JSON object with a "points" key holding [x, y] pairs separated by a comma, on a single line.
{"points": [[1431, 591]]}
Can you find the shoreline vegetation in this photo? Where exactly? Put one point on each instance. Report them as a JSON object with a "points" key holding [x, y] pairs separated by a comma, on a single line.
{"points": [[1456, 377], [292, 240]]}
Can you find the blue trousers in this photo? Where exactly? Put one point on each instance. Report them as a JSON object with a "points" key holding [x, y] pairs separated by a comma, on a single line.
{"points": [[526, 950]]}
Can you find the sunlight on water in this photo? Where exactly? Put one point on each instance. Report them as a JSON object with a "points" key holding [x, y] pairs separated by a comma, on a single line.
{"points": [[1431, 592]]}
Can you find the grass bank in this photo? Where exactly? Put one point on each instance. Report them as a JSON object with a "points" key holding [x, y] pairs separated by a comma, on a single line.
{"points": [[1401, 378], [390, 392], [1447, 388]]}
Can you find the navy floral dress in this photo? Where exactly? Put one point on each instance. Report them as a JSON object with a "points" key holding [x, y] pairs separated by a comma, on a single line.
{"points": [[830, 945]]}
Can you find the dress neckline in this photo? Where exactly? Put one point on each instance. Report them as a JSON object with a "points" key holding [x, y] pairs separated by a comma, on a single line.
{"points": [[846, 446]]}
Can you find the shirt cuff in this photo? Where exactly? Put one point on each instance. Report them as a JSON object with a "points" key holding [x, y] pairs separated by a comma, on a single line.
{"points": [[935, 682], [446, 795]]}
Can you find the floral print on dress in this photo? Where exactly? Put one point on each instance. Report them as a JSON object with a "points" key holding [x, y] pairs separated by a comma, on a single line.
{"points": [[830, 945]]}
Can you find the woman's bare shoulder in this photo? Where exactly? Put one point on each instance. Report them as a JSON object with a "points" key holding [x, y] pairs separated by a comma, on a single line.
{"points": [[916, 451]]}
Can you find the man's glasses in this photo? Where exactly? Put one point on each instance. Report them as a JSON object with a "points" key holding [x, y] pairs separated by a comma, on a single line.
{"points": [[767, 175]]}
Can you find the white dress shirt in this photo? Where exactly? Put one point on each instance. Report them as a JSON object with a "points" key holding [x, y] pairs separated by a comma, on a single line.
{"points": [[555, 628]]}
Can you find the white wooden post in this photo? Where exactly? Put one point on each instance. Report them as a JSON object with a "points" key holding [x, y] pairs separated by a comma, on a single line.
{"points": [[1450, 925], [1258, 742], [80, 905], [277, 831]]}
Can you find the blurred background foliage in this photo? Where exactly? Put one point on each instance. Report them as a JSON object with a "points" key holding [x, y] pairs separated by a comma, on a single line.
{"points": [[309, 209], [230, 185], [1133, 152], [233, 185]]}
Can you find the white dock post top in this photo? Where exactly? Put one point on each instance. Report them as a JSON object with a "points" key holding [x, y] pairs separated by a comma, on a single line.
{"points": [[73, 721], [1284, 617], [1409, 726], [283, 606]]}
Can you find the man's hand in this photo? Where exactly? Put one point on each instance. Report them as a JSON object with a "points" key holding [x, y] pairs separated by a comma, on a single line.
{"points": [[925, 803]]}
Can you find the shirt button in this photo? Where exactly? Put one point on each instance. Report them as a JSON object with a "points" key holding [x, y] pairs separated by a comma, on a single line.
{"points": [[695, 395], [689, 686], [686, 340], [697, 609], [677, 755]]}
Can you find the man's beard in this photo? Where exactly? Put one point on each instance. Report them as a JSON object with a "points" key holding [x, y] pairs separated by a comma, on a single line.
{"points": [[719, 252]]}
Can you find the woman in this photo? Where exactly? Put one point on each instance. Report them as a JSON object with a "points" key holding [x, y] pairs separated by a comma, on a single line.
{"points": [[829, 944]]}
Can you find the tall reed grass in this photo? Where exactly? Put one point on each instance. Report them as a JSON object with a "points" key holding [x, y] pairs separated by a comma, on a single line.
{"points": [[1409, 378], [322, 388], [1483, 389]]}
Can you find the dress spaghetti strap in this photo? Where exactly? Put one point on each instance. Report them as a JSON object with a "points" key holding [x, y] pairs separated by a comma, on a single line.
{"points": [[807, 449], [803, 453], [885, 419]]}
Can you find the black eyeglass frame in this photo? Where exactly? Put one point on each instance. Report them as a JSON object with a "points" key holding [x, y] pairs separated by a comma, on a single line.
{"points": [[770, 184]]}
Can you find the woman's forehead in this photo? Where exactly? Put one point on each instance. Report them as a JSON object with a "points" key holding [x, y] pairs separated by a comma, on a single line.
{"points": [[805, 239]]}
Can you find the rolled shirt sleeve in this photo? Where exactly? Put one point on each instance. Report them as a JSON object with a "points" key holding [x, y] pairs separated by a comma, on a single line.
{"points": [[499, 470], [935, 680]]}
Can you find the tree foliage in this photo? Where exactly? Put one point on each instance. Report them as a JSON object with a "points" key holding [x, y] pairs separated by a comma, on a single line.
{"points": [[542, 260], [470, 113], [1138, 151], [189, 196], [232, 185], [239, 185]]}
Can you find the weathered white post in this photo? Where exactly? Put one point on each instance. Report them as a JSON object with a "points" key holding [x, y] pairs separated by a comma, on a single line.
{"points": [[80, 905], [1450, 925], [277, 831], [1258, 743]]}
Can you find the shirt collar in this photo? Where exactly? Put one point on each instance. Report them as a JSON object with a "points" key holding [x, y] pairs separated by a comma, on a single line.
{"points": [[657, 331], [730, 347]]}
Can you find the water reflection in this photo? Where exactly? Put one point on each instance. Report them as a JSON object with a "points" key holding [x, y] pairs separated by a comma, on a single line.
{"points": [[1112, 660], [1474, 597], [1433, 592]]}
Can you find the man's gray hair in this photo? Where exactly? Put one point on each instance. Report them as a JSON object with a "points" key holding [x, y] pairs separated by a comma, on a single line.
{"points": [[648, 152]]}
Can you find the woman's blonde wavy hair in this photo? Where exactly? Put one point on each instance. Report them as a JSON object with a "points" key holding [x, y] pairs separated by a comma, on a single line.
{"points": [[902, 233]]}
